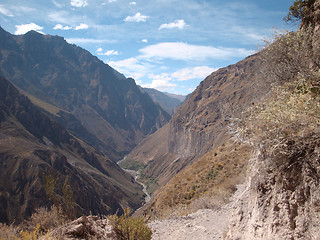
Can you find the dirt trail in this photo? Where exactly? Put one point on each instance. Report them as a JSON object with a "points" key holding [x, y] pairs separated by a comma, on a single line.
{"points": [[203, 224]]}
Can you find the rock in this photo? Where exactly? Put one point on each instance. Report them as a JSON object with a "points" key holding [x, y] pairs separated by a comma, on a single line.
{"points": [[85, 227]]}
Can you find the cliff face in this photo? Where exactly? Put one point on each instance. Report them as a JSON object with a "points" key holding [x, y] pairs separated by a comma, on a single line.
{"points": [[42, 164], [281, 201], [111, 112], [201, 122]]}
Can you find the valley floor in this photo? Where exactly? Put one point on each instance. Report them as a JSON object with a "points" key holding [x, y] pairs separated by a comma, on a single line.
{"points": [[204, 224]]}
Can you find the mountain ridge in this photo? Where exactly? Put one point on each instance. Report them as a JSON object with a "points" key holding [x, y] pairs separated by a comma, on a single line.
{"points": [[69, 77]]}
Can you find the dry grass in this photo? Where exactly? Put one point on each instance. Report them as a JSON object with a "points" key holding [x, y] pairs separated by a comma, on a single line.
{"points": [[289, 121], [207, 183]]}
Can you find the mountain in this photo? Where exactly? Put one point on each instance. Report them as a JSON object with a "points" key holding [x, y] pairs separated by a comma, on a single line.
{"points": [[91, 99], [201, 123], [42, 164], [168, 102]]}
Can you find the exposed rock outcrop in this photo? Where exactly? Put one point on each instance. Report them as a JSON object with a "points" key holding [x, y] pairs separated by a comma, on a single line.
{"points": [[281, 200], [85, 227]]}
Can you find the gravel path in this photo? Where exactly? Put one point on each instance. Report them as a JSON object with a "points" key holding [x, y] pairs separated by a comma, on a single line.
{"points": [[203, 224]]}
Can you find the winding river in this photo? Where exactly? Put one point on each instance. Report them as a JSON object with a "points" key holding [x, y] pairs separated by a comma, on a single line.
{"points": [[136, 175]]}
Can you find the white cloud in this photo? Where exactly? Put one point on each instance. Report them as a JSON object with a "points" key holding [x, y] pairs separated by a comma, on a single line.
{"points": [[5, 11], [133, 3], [79, 3], [160, 82], [108, 53], [99, 50], [144, 40], [81, 26], [57, 4], [87, 41], [136, 18], [21, 9], [176, 24], [24, 28], [184, 51], [111, 1], [60, 27], [131, 67], [63, 17], [193, 73]]}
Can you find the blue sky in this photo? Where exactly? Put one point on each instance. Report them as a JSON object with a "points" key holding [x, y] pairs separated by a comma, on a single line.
{"points": [[170, 45]]}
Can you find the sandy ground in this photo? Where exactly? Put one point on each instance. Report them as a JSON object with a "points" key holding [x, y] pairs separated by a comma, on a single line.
{"points": [[202, 225]]}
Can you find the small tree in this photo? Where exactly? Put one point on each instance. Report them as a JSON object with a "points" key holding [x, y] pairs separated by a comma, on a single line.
{"points": [[300, 11]]}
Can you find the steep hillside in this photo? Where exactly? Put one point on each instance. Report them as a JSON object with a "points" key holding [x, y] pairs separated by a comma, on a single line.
{"points": [[97, 103], [42, 164], [201, 122], [168, 102], [207, 183], [281, 197]]}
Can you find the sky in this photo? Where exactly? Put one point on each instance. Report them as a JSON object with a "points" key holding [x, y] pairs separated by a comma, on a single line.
{"points": [[169, 45]]}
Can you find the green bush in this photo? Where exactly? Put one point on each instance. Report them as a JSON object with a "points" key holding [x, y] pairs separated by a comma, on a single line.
{"points": [[129, 228]]}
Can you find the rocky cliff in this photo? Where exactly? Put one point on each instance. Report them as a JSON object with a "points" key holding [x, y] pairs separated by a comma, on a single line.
{"points": [[42, 164], [201, 122], [94, 102]]}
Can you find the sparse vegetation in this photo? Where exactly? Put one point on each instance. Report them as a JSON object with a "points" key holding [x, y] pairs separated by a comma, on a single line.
{"points": [[49, 184], [291, 54], [132, 165], [129, 228], [285, 129], [207, 183], [37, 227], [290, 119]]}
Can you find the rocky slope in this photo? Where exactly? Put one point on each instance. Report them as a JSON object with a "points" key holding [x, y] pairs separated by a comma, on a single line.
{"points": [[88, 97], [201, 122], [42, 164], [281, 197]]}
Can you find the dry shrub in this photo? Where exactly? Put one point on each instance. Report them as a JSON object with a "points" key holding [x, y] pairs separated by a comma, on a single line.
{"points": [[46, 219], [129, 228], [288, 123], [37, 227], [8, 231], [16, 233], [291, 53]]}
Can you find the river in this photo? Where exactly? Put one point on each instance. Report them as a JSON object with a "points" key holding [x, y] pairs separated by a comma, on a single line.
{"points": [[136, 175]]}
